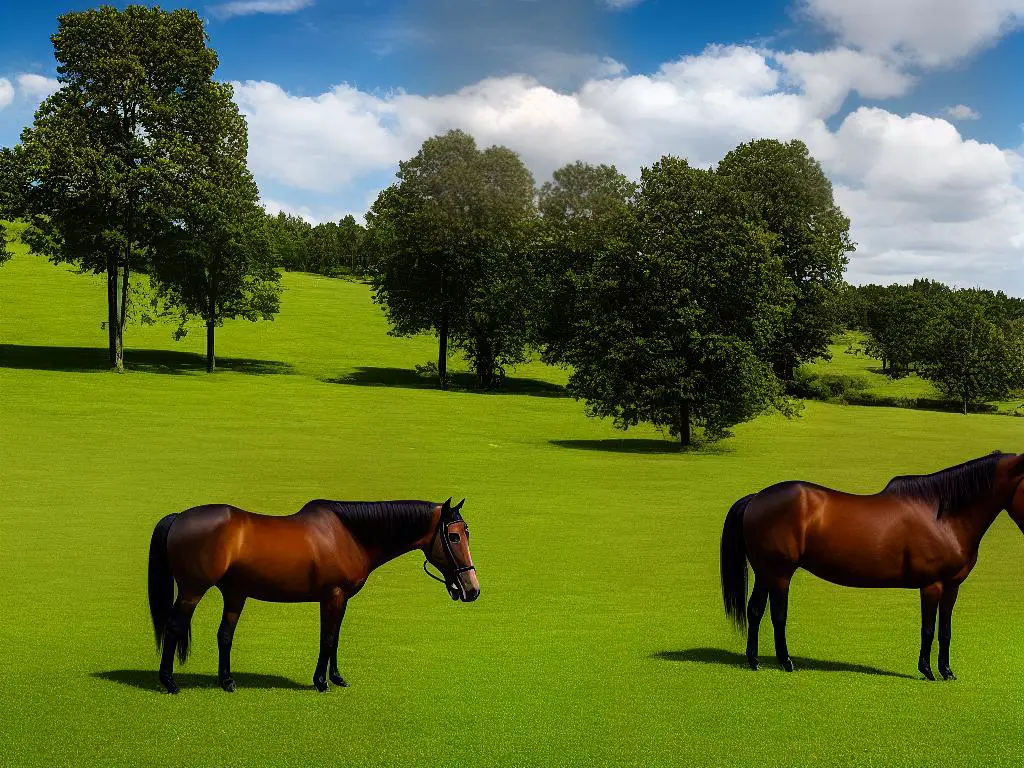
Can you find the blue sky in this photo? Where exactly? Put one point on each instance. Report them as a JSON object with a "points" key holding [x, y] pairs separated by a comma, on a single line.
{"points": [[912, 106]]}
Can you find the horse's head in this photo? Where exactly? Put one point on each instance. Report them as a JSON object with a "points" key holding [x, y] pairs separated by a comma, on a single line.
{"points": [[1015, 505], [448, 551]]}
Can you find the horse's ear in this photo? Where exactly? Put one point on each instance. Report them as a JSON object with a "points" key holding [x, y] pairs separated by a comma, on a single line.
{"points": [[446, 508], [458, 506]]}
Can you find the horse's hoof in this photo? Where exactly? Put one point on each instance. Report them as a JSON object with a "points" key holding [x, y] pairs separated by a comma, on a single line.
{"points": [[339, 681], [947, 674], [168, 682], [926, 670], [752, 661], [228, 684], [320, 684], [787, 664]]}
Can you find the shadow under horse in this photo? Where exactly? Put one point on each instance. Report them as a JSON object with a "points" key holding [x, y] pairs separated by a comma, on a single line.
{"points": [[920, 532]]}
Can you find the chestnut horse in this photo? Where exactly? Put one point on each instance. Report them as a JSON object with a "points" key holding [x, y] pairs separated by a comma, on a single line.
{"points": [[323, 553], [920, 532]]}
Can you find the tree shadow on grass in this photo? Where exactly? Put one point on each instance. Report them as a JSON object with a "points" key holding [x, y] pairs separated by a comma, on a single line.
{"points": [[95, 359], [622, 445], [365, 376], [733, 659], [145, 680]]}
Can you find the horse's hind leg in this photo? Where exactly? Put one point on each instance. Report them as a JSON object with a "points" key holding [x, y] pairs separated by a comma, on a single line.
{"points": [[778, 592], [755, 610], [929, 605], [177, 636], [233, 604]]}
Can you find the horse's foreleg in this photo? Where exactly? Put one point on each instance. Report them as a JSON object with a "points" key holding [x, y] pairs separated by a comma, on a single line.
{"points": [[176, 637], [233, 605], [929, 605], [330, 621], [335, 675], [779, 595], [946, 629], [755, 610]]}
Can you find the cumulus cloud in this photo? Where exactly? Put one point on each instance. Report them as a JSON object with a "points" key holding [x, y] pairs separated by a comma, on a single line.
{"points": [[923, 200], [6, 92], [252, 7], [928, 32], [962, 112], [36, 87]]}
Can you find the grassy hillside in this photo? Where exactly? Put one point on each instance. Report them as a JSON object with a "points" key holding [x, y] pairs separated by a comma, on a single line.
{"points": [[599, 637]]}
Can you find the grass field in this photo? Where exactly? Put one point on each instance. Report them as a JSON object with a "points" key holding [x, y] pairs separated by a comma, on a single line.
{"points": [[599, 637]]}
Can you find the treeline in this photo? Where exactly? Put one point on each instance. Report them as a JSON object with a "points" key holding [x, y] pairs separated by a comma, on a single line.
{"points": [[687, 299], [968, 342], [327, 249]]}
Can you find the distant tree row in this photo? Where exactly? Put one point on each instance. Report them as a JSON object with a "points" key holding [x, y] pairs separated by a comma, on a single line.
{"points": [[327, 249], [968, 342], [688, 299]]}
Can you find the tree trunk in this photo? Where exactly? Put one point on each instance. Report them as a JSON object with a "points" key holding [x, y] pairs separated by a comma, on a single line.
{"points": [[211, 358], [442, 334], [114, 337], [684, 423], [442, 350]]}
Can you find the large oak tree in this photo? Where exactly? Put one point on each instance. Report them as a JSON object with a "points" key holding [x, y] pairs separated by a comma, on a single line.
{"points": [[683, 315]]}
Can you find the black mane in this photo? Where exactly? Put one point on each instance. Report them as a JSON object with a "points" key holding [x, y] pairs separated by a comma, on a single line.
{"points": [[950, 489], [386, 524]]}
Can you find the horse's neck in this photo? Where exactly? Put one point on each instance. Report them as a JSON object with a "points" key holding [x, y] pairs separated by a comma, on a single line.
{"points": [[973, 523]]}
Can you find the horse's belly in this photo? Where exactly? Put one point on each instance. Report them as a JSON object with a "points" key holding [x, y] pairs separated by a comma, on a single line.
{"points": [[874, 564], [277, 578]]}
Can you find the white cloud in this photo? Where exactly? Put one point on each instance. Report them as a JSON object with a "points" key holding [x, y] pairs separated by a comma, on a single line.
{"points": [[274, 207], [251, 7], [962, 112], [6, 92], [36, 87], [923, 200], [928, 32]]}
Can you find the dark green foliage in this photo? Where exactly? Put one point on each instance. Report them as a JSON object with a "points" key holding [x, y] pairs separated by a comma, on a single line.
{"points": [[327, 249], [827, 386], [793, 197], [214, 260], [682, 316], [449, 244], [972, 352], [896, 320], [585, 210], [95, 175]]}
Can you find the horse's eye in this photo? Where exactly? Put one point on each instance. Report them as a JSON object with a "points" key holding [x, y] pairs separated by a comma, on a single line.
{"points": [[453, 537]]}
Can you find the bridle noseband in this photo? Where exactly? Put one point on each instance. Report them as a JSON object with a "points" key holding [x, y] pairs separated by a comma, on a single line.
{"points": [[455, 569]]}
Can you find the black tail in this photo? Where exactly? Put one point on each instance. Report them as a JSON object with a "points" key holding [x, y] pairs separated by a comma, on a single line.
{"points": [[161, 580], [734, 564]]}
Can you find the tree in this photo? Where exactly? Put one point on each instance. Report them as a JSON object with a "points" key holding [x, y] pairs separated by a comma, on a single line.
{"points": [[449, 250], [583, 214], [214, 260], [350, 245], [970, 358], [794, 198], [683, 315], [94, 175]]}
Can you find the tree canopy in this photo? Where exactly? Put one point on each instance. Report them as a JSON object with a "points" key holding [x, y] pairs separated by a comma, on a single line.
{"points": [[793, 196], [685, 312], [450, 252]]}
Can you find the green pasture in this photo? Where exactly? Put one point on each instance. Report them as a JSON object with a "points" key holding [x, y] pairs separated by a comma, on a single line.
{"points": [[599, 637]]}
